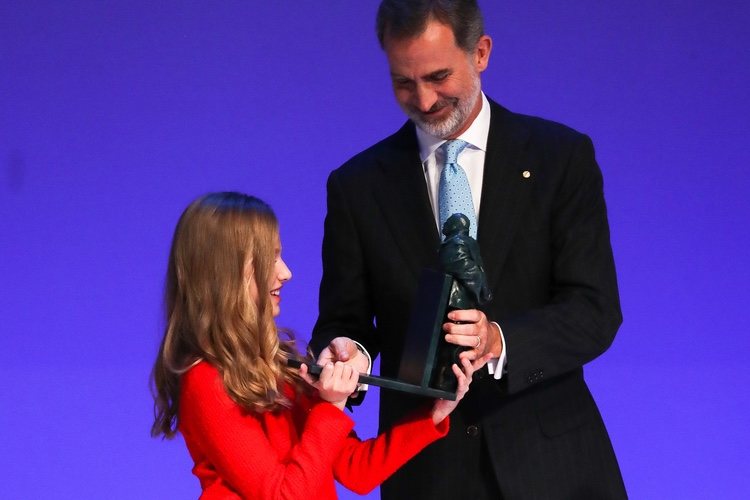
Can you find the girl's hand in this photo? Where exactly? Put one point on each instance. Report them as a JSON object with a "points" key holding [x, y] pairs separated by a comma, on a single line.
{"points": [[336, 383], [442, 407]]}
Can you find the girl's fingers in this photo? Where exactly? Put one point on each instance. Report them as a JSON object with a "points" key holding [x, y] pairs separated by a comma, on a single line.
{"points": [[304, 373], [339, 377]]}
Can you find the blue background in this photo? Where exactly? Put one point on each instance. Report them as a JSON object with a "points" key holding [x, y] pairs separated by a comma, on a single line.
{"points": [[115, 115]]}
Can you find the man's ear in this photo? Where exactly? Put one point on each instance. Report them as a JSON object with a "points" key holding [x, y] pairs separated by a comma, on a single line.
{"points": [[481, 57]]}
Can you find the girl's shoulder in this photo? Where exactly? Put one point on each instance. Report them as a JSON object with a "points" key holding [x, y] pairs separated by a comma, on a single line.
{"points": [[200, 370], [202, 377]]}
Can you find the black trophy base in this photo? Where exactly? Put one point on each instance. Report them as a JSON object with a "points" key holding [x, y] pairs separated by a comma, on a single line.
{"points": [[386, 383]]}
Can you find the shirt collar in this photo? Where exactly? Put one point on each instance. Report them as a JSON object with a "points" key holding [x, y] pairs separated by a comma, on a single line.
{"points": [[476, 135]]}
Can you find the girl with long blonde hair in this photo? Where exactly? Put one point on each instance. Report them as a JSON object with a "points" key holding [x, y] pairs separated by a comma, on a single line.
{"points": [[255, 427]]}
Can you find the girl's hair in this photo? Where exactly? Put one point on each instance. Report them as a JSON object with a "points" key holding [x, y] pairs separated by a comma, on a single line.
{"points": [[224, 244]]}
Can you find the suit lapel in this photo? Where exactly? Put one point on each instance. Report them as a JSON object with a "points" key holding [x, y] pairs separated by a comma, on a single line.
{"points": [[504, 189], [404, 202]]}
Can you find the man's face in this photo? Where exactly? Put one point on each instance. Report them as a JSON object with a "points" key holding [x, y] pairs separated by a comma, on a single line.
{"points": [[436, 82]]}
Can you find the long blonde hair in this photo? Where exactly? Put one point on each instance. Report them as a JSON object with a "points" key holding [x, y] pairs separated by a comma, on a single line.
{"points": [[219, 240]]}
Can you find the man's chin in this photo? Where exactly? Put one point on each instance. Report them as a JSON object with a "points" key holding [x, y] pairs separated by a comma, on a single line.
{"points": [[436, 128], [441, 127]]}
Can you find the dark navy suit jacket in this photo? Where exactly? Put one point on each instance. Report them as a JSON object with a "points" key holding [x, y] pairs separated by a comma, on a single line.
{"points": [[544, 238]]}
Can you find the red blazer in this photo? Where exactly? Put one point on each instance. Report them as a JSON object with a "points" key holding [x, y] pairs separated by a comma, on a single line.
{"points": [[294, 453]]}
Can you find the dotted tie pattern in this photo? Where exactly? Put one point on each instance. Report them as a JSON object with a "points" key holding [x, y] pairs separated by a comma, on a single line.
{"points": [[454, 193]]}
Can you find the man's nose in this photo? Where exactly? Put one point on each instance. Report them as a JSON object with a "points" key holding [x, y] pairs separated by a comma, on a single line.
{"points": [[425, 98]]}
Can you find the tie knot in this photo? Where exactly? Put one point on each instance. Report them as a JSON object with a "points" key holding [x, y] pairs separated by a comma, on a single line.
{"points": [[452, 148]]}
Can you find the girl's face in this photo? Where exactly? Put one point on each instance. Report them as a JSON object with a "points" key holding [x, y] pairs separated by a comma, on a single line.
{"points": [[279, 276]]}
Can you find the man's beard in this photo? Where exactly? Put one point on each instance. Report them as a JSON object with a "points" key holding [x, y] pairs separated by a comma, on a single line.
{"points": [[462, 108]]}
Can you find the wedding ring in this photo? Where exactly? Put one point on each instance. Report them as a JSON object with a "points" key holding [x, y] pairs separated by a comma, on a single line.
{"points": [[479, 342]]}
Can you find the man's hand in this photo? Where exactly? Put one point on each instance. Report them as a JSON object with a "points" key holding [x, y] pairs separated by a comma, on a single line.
{"points": [[345, 350], [472, 329]]}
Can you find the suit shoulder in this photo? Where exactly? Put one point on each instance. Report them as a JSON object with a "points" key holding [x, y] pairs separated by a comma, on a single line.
{"points": [[362, 163], [538, 129], [548, 129]]}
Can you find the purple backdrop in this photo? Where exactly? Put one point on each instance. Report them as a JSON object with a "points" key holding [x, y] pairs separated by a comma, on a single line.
{"points": [[114, 115]]}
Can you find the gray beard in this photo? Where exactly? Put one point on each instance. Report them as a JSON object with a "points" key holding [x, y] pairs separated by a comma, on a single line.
{"points": [[457, 118]]}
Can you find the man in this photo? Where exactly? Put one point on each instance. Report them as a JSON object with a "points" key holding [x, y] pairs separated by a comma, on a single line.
{"points": [[529, 428]]}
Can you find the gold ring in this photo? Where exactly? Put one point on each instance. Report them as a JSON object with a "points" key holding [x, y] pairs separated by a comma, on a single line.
{"points": [[479, 342]]}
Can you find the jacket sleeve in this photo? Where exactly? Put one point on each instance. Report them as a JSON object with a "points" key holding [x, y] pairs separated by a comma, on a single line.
{"points": [[582, 315], [344, 304], [363, 465]]}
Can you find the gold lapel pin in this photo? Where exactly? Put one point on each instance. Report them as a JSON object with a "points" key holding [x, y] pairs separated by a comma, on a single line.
{"points": [[526, 174]]}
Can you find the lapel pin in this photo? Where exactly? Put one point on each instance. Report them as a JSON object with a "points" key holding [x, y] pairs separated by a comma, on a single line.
{"points": [[526, 174]]}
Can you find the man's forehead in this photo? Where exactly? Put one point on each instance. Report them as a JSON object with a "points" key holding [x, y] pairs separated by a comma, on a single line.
{"points": [[433, 50]]}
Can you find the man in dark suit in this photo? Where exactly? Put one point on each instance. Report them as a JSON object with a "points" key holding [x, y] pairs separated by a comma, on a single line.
{"points": [[529, 428]]}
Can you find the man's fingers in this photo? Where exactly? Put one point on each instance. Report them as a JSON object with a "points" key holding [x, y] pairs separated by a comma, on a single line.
{"points": [[466, 315], [342, 348], [472, 340], [327, 355], [459, 329]]}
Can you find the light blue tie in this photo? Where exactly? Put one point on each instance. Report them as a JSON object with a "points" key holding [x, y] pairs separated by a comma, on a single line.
{"points": [[454, 193]]}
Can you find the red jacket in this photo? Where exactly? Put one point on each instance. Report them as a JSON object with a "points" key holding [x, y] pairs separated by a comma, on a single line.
{"points": [[294, 453]]}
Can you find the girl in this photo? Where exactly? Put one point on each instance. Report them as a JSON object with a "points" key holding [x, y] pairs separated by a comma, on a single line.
{"points": [[254, 427]]}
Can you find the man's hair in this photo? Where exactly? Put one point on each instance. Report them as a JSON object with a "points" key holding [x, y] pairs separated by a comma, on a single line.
{"points": [[402, 19]]}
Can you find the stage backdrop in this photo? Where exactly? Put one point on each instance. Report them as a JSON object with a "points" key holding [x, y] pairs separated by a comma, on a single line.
{"points": [[114, 115]]}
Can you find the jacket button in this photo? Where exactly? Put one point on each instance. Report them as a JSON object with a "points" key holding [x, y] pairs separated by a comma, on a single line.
{"points": [[472, 430]]}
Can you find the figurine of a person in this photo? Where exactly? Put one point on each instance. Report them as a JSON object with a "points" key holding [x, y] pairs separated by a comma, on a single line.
{"points": [[460, 258]]}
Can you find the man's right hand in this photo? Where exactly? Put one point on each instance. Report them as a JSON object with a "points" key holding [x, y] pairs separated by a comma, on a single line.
{"points": [[344, 349]]}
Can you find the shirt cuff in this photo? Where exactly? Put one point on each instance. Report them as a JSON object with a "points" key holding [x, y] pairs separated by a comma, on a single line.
{"points": [[498, 366], [364, 387]]}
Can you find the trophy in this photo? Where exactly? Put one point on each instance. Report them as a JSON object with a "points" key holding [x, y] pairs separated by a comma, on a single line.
{"points": [[460, 283], [460, 259]]}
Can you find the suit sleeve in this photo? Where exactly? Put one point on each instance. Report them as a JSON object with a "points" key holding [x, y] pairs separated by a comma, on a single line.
{"points": [[582, 315], [237, 446], [344, 303]]}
